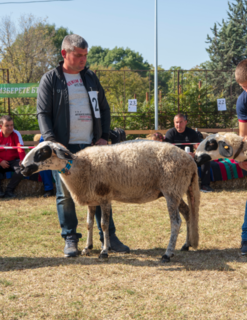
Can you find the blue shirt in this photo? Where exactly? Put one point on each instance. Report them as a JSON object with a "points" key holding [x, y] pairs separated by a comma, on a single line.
{"points": [[241, 107]]}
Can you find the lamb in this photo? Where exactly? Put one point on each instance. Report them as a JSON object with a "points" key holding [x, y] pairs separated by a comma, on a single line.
{"points": [[217, 146], [130, 172]]}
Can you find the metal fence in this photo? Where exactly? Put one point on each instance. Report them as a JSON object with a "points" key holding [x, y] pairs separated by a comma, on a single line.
{"points": [[192, 92]]}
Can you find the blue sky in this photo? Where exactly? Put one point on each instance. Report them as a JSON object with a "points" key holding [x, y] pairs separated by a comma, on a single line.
{"points": [[182, 25]]}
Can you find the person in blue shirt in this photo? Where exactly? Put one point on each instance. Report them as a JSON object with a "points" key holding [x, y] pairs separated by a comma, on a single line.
{"points": [[47, 180], [241, 108]]}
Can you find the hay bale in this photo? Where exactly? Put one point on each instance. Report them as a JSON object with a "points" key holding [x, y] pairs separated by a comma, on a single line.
{"points": [[240, 183], [27, 188]]}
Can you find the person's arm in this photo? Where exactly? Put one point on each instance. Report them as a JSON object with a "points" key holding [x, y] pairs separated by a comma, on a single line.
{"points": [[44, 108], [104, 112], [242, 129]]}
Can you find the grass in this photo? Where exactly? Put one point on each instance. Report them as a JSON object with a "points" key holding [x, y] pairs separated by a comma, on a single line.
{"points": [[37, 282]]}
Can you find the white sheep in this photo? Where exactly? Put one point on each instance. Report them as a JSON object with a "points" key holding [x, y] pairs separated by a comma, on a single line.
{"points": [[132, 172], [217, 146]]}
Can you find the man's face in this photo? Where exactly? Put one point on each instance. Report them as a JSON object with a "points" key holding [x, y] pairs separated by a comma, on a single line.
{"points": [[7, 127], [75, 61], [180, 124], [244, 85]]}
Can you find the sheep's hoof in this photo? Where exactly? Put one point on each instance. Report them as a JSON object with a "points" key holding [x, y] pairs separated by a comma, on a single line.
{"points": [[85, 252], [185, 247], [103, 256], [90, 247], [165, 258]]}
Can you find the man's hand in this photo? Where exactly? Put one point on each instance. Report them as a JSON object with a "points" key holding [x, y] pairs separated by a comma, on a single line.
{"points": [[101, 142], [243, 165], [192, 154], [20, 162], [4, 164]]}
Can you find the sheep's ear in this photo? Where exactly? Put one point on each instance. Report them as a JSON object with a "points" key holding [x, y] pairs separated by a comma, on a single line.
{"points": [[42, 154], [225, 150], [64, 154], [211, 145]]}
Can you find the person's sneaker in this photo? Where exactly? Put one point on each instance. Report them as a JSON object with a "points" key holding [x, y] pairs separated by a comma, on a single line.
{"points": [[71, 243], [117, 245], [244, 248], [48, 193], [9, 194], [206, 189]]}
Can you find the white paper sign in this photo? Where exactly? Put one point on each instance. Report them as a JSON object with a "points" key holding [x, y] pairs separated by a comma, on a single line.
{"points": [[221, 104], [94, 100], [132, 105]]}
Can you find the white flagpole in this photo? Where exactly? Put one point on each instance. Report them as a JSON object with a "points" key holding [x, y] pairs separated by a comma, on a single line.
{"points": [[156, 66]]}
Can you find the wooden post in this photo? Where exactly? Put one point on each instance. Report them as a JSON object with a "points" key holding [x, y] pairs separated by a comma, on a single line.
{"points": [[146, 96], [134, 95]]}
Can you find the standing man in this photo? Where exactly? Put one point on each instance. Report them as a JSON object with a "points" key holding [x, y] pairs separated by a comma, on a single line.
{"points": [[10, 159], [182, 134], [72, 109]]}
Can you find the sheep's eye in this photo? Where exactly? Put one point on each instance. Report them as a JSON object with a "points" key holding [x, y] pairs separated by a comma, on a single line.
{"points": [[226, 147]]}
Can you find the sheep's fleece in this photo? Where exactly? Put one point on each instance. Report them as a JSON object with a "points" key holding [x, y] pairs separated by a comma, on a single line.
{"points": [[131, 172], [217, 146]]}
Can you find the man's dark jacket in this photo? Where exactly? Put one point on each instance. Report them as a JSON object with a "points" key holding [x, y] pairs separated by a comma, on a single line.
{"points": [[53, 110]]}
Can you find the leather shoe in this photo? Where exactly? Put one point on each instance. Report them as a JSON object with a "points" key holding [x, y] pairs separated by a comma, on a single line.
{"points": [[48, 193]]}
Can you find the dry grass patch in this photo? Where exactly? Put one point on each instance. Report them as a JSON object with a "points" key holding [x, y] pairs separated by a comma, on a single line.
{"points": [[36, 282]]}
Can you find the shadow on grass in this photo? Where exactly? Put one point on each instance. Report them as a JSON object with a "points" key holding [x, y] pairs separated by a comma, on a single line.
{"points": [[215, 259]]}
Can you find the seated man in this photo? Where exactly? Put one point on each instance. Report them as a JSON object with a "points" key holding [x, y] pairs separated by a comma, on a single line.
{"points": [[182, 134], [10, 159]]}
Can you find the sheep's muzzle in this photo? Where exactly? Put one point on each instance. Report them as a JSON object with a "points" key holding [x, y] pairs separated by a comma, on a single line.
{"points": [[29, 170], [203, 158]]}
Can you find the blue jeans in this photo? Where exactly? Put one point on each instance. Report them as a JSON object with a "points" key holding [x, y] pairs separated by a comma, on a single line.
{"points": [[46, 177], [66, 207], [244, 226]]}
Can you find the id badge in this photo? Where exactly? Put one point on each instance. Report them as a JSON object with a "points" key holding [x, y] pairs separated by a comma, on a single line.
{"points": [[93, 95]]}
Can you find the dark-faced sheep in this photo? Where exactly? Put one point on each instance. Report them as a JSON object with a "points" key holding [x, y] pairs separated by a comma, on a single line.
{"points": [[132, 172], [217, 146]]}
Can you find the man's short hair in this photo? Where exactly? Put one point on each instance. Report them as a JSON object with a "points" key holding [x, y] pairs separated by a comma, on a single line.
{"points": [[181, 115], [5, 118], [73, 40], [241, 71]]}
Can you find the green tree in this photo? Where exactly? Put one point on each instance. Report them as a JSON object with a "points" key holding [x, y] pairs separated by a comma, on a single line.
{"points": [[227, 47], [117, 58], [27, 51], [57, 35]]}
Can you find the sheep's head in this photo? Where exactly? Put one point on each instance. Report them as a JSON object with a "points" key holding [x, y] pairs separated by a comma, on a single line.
{"points": [[217, 146], [46, 156]]}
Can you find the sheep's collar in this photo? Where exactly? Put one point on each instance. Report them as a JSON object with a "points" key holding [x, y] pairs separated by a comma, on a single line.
{"points": [[65, 170], [239, 150]]}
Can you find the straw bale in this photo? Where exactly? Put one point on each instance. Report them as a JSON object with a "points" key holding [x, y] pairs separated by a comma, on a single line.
{"points": [[27, 188], [240, 183]]}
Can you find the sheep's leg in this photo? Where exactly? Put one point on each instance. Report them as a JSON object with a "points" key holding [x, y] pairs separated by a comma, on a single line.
{"points": [[90, 221], [105, 218], [184, 209], [172, 204]]}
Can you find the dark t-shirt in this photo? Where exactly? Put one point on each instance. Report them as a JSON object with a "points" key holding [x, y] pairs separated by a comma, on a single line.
{"points": [[189, 135], [241, 107]]}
